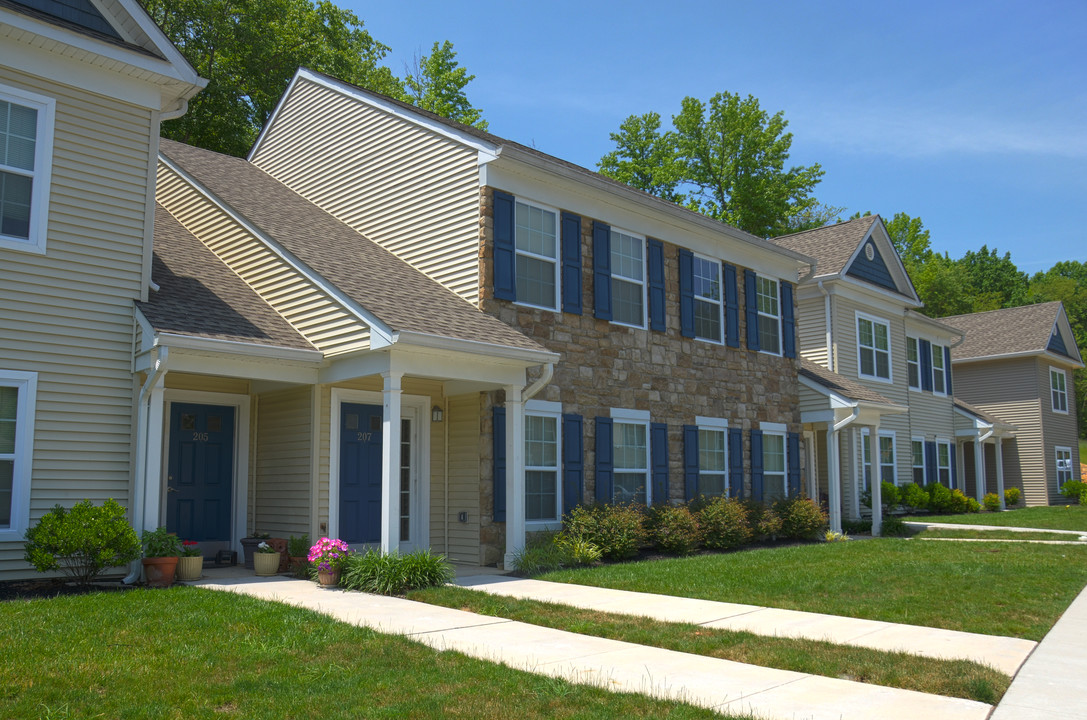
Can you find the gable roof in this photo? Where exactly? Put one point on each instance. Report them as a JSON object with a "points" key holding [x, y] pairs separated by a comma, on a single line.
{"points": [[395, 293], [980, 414], [190, 275], [839, 384], [1026, 330]]}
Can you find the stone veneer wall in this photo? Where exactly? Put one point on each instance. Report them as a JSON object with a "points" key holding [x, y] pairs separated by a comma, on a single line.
{"points": [[606, 366]]}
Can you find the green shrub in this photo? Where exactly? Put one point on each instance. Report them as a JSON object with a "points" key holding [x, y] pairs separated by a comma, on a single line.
{"points": [[673, 529], [618, 530], [763, 521], [576, 551], [940, 499], [1073, 489], [912, 497], [393, 573], [889, 495], [991, 502], [801, 518], [1083, 497], [83, 541], [160, 542], [538, 556], [298, 546], [723, 522], [1011, 496], [962, 504], [831, 536], [857, 527], [973, 506], [894, 526]]}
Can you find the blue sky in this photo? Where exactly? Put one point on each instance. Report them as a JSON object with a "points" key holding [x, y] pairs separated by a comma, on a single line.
{"points": [[971, 115]]}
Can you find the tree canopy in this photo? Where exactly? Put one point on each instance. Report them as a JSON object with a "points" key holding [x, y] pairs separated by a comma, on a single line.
{"points": [[436, 83]]}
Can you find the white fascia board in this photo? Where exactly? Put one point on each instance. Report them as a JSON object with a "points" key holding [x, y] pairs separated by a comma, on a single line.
{"points": [[379, 331], [473, 347], [861, 292], [1051, 357], [943, 331], [836, 400], [234, 347], [581, 191], [973, 419], [148, 332], [185, 71]]}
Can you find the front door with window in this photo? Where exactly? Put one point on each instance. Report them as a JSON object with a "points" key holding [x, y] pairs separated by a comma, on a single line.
{"points": [[200, 471], [360, 473]]}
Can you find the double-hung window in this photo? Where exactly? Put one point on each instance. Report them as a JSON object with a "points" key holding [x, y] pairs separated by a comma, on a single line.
{"points": [[1059, 389], [17, 396], [537, 255], [886, 458], [913, 363], [874, 348], [630, 452], [943, 462], [542, 453], [769, 313], [26, 146], [627, 279], [708, 306], [1064, 466], [712, 457], [774, 464], [939, 383], [917, 461]]}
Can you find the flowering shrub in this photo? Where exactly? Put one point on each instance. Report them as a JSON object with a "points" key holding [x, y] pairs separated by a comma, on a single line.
{"points": [[265, 548], [327, 555], [190, 548]]}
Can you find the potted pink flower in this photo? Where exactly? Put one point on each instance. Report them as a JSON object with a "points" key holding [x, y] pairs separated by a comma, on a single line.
{"points": [[328, 556]]}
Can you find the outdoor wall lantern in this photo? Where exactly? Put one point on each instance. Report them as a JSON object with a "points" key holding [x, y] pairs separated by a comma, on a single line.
{"points": [[436, 413]]}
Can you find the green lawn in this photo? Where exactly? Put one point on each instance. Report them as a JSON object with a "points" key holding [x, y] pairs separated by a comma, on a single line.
{"points": [[951, 678], [1057, 517], [1000, 589], [191, 653], [994, 534]]}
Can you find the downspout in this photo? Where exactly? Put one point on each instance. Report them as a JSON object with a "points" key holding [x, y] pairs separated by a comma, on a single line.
{"points": [[177, 111], [445, 471], [531, 390], [841, 424], [829, 326], [162, 354]]}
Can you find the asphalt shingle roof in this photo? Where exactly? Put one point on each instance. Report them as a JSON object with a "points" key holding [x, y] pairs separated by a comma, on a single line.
{"points": [[832, 246], [200, 296], [1009, 331], [849, 389], [396, 293], [977, 412]]}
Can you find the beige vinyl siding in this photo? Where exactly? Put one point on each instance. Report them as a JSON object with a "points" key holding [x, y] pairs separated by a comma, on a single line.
{"points": [[310, 310], [811, 330], [1059, 429], [412, 191], [206, 383], [68, 315], [464, 439], [282, 478], [812, 401]]}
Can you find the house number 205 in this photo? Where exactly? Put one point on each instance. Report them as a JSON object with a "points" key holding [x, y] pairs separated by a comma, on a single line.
{"points": [[200, 437], [365, 436]]}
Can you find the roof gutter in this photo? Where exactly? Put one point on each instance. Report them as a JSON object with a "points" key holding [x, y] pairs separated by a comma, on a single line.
{"points": [[535, 387]]}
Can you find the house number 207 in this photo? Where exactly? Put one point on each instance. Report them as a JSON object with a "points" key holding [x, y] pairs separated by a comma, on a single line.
{"points": [[365, 436], [200, 437]]}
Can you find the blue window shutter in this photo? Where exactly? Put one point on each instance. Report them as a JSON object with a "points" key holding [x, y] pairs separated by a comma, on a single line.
{"points": [[655, 254], [573, 463], [924, 349], [690, 461], [954, 466], [604, 463], [732, 307], [756, 465], [752, 308], [499, 435], [505, 272], [793, 449], [686, 293], [947, 370], [658, 461], [602, 270], [788, 320], [931, 475], [571, 263], [735, 462]]}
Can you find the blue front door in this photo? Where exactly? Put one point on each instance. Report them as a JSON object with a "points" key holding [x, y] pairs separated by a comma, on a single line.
{"points": [[360, 473], [200, 471]]}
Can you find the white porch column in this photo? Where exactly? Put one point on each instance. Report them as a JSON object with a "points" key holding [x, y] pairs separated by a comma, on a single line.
{"points": [[857, 464], [515, 473], [979, 470], [834, 478], [1000, 471], [877, 479], [151, 472], [960, 463], [390, 463]]}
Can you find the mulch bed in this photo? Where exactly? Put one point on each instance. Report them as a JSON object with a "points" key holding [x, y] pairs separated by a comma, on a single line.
{"points": [[54, 587]]}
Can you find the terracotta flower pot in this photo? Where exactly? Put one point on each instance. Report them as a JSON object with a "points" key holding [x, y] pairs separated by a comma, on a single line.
{"points": [[190, 568], [159, 571], [266, 564], [328, 578]]}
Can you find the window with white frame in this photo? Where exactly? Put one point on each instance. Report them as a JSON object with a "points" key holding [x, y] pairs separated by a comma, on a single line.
{"points": [[1059, 390], [1064, 466], [943, 462], [917, 461], [874, 347], [913, 363], [766, 293], [26, 147], [774, 463], [708, 308], [886, 458], [627, 279], [17, 397], [537, 255], [939, 384], [712, 456], [630, 454], [542, 452]]}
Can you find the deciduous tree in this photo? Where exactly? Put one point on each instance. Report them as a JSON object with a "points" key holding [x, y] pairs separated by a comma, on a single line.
{"points": [[436, 83]]}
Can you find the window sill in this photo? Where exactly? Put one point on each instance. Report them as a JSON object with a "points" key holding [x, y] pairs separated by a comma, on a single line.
{"points": [[875, 378], [27, 246]]}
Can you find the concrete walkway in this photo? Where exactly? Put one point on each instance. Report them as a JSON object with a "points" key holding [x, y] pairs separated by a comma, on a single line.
{"points": [[921, 525], [1004, 654], [726, 686]]}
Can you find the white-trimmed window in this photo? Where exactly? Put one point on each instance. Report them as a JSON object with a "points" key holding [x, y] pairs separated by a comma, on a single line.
{"points": [[874, 348], [26, 150], [913, 363], [627, 279], [943, 462], [769, 307], [886, 458], [939, 373], [712, 456], [708, 308], [1059, 389], [1064, 466], [917, 460], [543, 449], [537, 255], [775, 462], [17, 398], [630, 454]]}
